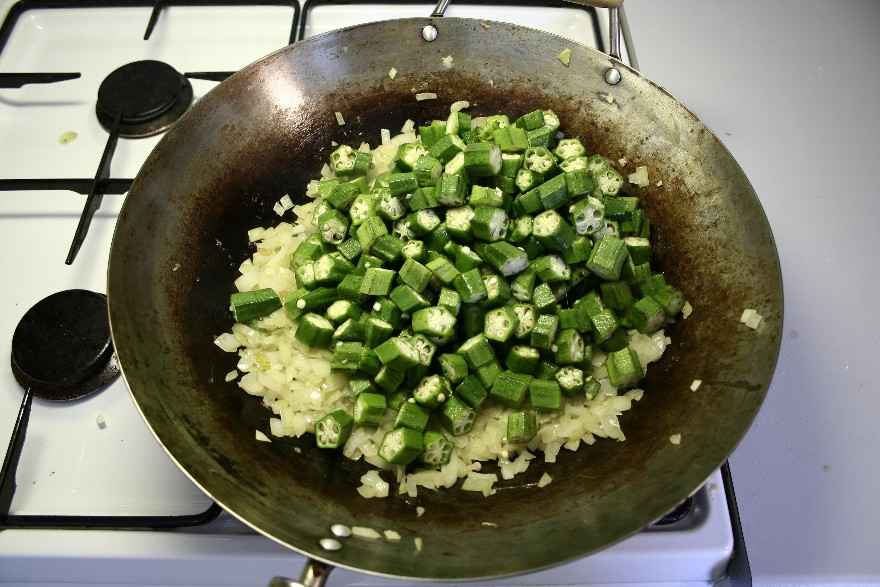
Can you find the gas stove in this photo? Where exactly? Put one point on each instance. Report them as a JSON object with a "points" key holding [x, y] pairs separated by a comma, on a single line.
{"points": [[88, 88]]}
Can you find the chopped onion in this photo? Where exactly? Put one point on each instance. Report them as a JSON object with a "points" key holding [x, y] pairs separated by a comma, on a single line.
{"points": [[481, 482], [640, 177], [418, 543], [386, 136], [422, 96], [339, 119], [751, 318], [392, 73], [545, 480], [675, 439], [364, 148], [459, 105], [372, 485], [326, 172], [408, 126], [686, 310], [391, 536], [489, 524], [231, 376], [447, 61], [261, 437], [659, 183], [227, 342], [420, 511], [365, 532], [695, 384], [623, 161]]}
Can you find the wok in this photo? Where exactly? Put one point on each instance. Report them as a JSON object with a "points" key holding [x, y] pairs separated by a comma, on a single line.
{"points": [[266, 130]]}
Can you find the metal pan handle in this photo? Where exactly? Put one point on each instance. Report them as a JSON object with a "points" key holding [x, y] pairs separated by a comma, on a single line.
{"points": [[314, 574]]}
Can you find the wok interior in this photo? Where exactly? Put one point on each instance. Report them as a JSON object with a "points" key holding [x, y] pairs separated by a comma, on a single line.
{"points": [[265, 133]]}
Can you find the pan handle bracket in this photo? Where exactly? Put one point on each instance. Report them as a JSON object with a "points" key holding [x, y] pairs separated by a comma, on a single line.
{"points": [[314, 574]]}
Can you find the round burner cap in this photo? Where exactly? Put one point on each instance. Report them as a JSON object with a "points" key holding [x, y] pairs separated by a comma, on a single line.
{"points": [[140, 91], [62, 345]]}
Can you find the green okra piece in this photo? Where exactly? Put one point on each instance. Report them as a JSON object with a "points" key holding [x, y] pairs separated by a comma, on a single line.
{"points": [[458, 223], [520, 229], [389, 379], [447, 147], [333, 430], [472, 391], [552, 269], [624, 367], [553, 231], [527, 316], [346, 355], [438, 449], [457, 417], [544, 300], [427, 170], [449, 299], [569, 347], [544, 332], [401, 446], [443, 270], [436, 322], [251, 305], [500, 324], [523, 359], [470, 287], [314, 330], [486, 196], [411, 415], [488, 373], [522, 426], [477, 351], [408, 154], [397, 352], [482, 159], [570, 380], [504, 257], [545, 395], [510, 388], [432, 391], [547, 371], [454, 367], [415, 275], [497, 291]]}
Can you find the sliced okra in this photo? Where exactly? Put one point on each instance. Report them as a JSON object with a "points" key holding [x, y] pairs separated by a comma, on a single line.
{"points": [[401, 446], [522, 426], [489, 223], [314, 330], [545, 395], [523, 359], [432, 391], [624, 367], [251, 305], [438, 449], [527, 316], [510, 388], [333, 430], [500, 324], [457, 416]]}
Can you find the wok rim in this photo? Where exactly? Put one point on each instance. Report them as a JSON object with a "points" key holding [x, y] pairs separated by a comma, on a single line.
{"points": [[322, 557]]}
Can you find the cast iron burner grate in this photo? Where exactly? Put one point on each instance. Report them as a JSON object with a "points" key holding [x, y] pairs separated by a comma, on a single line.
{"points": [[146, 96]]}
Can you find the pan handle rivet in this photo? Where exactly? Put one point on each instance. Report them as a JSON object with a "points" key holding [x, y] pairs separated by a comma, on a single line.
{"points": [[612, 76], [429, 32]]}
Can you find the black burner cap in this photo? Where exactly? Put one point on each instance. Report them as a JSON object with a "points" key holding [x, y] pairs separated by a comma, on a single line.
{"points": [[146, 95], [62, 347]]}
